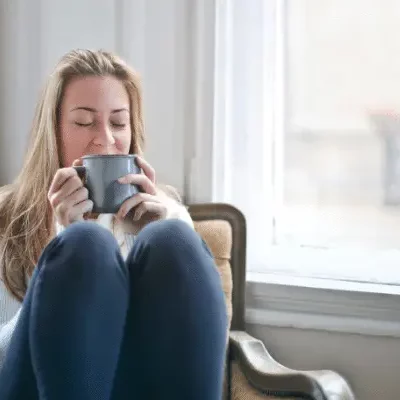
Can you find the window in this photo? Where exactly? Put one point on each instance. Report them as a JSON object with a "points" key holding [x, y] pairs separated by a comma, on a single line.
{"points": [[307, 134], [341, 136]]}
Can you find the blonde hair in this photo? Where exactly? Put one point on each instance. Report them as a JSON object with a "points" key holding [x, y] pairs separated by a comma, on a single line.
{"points": [[26, 220]]}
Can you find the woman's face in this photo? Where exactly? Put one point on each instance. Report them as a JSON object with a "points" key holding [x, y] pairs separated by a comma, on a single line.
{"points": [[94, 119]]}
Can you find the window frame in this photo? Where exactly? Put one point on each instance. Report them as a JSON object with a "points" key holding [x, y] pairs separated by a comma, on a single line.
{"points": [[204, 184]]}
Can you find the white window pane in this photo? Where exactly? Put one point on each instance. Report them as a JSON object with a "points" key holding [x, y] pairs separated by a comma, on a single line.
{"points": [[342, 124]]}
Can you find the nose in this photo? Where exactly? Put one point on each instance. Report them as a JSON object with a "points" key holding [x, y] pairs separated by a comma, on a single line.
{"points": [[103, 136]]}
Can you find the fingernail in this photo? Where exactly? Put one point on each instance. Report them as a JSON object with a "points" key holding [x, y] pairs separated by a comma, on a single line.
{"points": [[121, 180]]}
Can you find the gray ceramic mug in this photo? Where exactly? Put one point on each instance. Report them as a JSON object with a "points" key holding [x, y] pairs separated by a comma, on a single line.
{"points": [[100, 174]]}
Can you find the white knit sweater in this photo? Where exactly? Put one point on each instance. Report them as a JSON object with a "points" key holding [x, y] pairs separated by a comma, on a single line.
{"points": [[10, 308]]}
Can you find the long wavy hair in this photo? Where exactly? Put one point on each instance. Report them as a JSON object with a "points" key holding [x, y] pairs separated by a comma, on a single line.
{"points": [[26, 218]]}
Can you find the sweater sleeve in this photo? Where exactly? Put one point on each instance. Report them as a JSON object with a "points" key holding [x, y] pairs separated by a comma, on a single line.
{"points": [[10, 310], [176, 207], [6, 332]]}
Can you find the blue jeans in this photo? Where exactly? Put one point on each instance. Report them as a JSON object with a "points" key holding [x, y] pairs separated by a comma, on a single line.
{"points": [[94, 327]]}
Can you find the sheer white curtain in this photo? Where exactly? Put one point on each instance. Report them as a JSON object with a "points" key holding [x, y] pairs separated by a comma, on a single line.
{"points": [[246, 106]]}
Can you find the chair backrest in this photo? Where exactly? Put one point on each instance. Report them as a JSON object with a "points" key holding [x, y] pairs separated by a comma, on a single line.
{"points": [[223, 228]]}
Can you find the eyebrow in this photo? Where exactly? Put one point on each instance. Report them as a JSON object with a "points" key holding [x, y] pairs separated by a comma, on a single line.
{"points": [[94, 110]]}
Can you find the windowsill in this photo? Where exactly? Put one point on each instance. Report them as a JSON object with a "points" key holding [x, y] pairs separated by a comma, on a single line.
{"points": [[281, 300], [354, 268], [287, 281]]}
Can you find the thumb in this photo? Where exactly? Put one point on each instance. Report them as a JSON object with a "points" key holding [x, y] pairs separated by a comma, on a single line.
{"points": [[77, 162]]}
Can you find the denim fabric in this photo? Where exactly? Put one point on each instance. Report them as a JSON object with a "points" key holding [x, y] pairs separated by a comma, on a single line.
{"points": [[94, 327]]}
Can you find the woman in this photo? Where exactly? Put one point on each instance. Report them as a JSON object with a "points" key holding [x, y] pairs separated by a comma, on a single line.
{"points": [[102, 316]]}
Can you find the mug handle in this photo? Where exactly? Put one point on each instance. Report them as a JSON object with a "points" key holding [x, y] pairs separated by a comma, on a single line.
{"points": [[81, 170]]}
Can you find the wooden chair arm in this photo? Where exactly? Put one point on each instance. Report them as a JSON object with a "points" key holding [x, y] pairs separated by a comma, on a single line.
{"points": [[268, 376]]}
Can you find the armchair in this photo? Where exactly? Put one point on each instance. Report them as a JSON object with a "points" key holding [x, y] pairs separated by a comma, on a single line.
{"points": [[251, 372]]}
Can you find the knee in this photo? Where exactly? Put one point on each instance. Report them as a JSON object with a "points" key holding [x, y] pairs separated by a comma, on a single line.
{"points": [[84, 262], [82, 245], [170, 234], [87, 236], [173, 244]]}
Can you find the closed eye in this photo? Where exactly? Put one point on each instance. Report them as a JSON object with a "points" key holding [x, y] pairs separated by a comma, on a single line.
{"points": [[90, 123]]}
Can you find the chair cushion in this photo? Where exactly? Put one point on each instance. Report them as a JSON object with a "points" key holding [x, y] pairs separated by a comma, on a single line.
{"points": [[218, 236], [243, 390]]}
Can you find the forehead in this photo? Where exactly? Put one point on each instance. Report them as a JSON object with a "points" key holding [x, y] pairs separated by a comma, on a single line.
{"points": [[101, 93]]}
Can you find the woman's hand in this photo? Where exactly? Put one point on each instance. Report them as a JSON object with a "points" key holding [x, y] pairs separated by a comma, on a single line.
{"points": [[149, 205], [68, 197]]}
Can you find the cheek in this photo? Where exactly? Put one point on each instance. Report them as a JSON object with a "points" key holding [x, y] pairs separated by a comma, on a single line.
{"points": [[123, 141], [73, 146]]}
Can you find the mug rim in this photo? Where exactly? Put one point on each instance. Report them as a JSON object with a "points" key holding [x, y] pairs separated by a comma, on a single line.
{"points": [[109, 156]]}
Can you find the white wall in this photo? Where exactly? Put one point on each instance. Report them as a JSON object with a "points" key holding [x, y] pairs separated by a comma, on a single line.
{"points": [[149, 34], [19, 80]]}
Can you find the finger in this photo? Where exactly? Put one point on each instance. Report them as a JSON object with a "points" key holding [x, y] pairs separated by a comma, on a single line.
{"points": [[70, 186], [148, 170], [78, 162], [158, 209], [66, 205], [68, 213], [80, 209], [141, 180], [77, 197], [61, 176], [133, 202]]}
